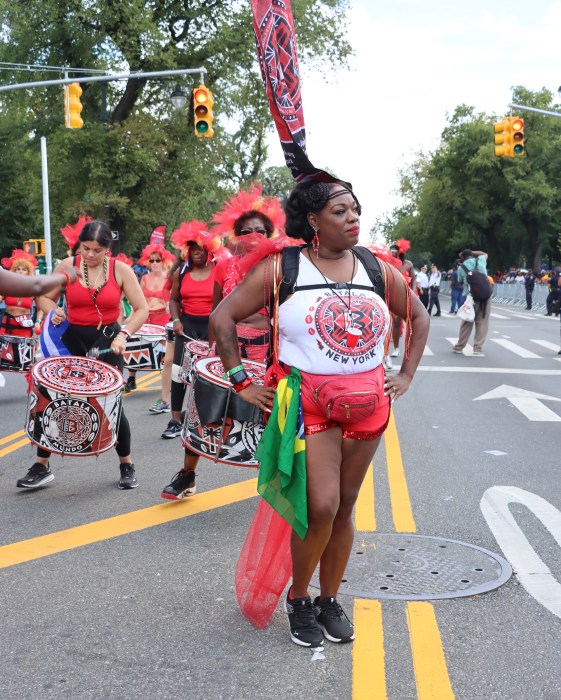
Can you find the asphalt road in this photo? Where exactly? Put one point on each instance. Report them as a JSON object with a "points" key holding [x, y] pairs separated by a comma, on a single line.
{"points": [[143, 605]]}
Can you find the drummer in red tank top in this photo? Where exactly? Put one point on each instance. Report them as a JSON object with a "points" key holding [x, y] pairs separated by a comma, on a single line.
{"points": [[94, 308]]}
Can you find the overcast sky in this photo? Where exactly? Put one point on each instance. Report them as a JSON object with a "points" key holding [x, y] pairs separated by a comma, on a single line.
{"points": [[415, 61]]}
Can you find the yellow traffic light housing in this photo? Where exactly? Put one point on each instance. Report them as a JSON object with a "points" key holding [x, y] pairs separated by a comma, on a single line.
{"points": [[509, 137], [502, 138], [73, 106], [517, 126], [202, 105], [35, 246]]}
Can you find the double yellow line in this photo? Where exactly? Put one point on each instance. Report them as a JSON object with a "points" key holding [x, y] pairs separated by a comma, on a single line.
{"points": [[146, 381], [369, 663]]}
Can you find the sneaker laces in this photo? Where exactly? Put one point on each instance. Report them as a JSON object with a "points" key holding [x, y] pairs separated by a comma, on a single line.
{"points": [[331, 609], [304, 612], [37, 468]]}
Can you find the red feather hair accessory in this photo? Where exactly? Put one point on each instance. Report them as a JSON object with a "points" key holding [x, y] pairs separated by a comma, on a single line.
{"points": [[71, 232], [382, 252], [196, 232], [19, 254], [403, 244], [123, 258], [155, 248], [247, 202]]}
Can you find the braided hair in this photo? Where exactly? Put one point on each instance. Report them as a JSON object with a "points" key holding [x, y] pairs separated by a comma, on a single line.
{"points": [[309, 197]]}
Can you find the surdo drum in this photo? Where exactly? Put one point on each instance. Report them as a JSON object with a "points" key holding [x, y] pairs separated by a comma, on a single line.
{"points": [[16, 353], [74, 405], [192, 351], [218, 423], [145, 349]]}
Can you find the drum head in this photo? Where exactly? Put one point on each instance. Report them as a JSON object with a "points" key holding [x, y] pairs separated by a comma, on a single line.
{"points": [[150, 329], [198, 347], [77, 376], [213, 371]]}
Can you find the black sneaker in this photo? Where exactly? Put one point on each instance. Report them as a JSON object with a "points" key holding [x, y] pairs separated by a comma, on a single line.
{"points": [[128, 478], [38, 475], [172, 431], [331, 617], [182, 485], [304, 628], [130, 385]]}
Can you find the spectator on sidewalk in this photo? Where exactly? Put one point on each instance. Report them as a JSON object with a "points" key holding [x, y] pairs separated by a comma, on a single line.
{"points": [[473, 260], [529, 284], [422, 283], [434, 289]]}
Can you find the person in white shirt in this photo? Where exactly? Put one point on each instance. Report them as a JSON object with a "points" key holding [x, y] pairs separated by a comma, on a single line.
{"points": [[434, 289], [422, 282]]}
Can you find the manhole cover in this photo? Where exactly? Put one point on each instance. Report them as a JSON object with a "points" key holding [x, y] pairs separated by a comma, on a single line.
{"points": [[417, 567]]}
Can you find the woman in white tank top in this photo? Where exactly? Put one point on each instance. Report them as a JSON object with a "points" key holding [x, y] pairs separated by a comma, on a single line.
{"points": [[332, 330]]}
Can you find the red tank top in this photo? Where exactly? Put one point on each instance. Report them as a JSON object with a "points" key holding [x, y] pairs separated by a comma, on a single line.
{"points": [[20, 302], [196, 295], [81, 307]]}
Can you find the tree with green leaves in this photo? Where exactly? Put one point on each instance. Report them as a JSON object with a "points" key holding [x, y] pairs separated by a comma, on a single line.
{"points": [[144, 166], [463, 196]]}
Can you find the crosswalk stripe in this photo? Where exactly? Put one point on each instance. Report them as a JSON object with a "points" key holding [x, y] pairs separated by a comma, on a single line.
{"points": [[516, 349], [500, 316], [427, 351], [468, 350], [546, 344], [525, 316]]}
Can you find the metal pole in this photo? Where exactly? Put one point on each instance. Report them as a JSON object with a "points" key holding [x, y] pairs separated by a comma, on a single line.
{"points": [[104, 78], [46, 211], [533, 109]]}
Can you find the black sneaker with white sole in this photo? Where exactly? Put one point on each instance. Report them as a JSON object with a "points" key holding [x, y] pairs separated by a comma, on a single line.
{"points": [[128, 478], [182, 486], [172, 431], [38, 475], [331, 617], [304, 628]]}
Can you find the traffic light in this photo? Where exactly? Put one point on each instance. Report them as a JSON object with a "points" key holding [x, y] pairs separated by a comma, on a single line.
{"points": [[503, 138], [35, 246], [72, 106], [202, 105], [517, 126], [509, 137]]}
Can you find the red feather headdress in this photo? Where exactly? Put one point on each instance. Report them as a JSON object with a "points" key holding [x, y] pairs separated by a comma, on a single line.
{"points": [[196, 232], [123, 258], [403, 244], [71, 232], [245, 202], [167, 258], [19, 254]]}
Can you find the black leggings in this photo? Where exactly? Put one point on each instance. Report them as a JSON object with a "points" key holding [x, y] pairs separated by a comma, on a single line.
{"points": [[196, 327], [79, 340]]}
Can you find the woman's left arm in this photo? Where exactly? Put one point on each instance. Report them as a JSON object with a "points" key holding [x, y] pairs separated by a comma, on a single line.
{"points": [[399, 299]]}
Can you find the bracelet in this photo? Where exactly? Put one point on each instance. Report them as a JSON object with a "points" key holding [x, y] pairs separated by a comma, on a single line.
{"points": [[175, 320], [232, 371], [125, 332], [238, 377], [242, 385]]}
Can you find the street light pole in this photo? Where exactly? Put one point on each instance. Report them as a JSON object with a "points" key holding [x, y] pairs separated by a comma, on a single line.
{"points": [[46, 207]]}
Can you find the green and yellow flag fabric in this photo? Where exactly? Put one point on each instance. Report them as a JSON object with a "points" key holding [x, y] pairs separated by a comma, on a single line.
{"points": [[281, 454]]}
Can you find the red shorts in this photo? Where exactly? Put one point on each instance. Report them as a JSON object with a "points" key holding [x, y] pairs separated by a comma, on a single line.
{"points": [[370, 428]]}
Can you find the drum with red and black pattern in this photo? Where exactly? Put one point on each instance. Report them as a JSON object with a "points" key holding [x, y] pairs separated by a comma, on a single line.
{"points": [[145, 349], [16, 353], [193, 350], [218, 423], [74, 405]]}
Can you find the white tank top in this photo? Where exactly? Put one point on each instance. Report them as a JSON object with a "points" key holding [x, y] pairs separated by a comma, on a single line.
{"points": [[314, 324]]}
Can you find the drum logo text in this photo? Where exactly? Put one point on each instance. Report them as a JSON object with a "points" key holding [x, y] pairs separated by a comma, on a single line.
{"points": [[70, 425]]}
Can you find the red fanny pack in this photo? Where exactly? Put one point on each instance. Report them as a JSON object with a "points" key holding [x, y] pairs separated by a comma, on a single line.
{"points": [[345, 398]]}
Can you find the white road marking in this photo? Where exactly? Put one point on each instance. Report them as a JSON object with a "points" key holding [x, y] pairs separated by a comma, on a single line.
{"points": [[503, 318], [531, 571], [468, 350], [527, 402], [516, 349], [525, 316], [488, 370], [427, 351], [546, 344]]}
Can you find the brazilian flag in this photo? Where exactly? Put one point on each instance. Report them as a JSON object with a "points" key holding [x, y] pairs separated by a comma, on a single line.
{"points": [[281, 454]]}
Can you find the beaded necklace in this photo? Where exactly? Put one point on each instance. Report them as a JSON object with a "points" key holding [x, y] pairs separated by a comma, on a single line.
{"points": [[96, 290]]}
